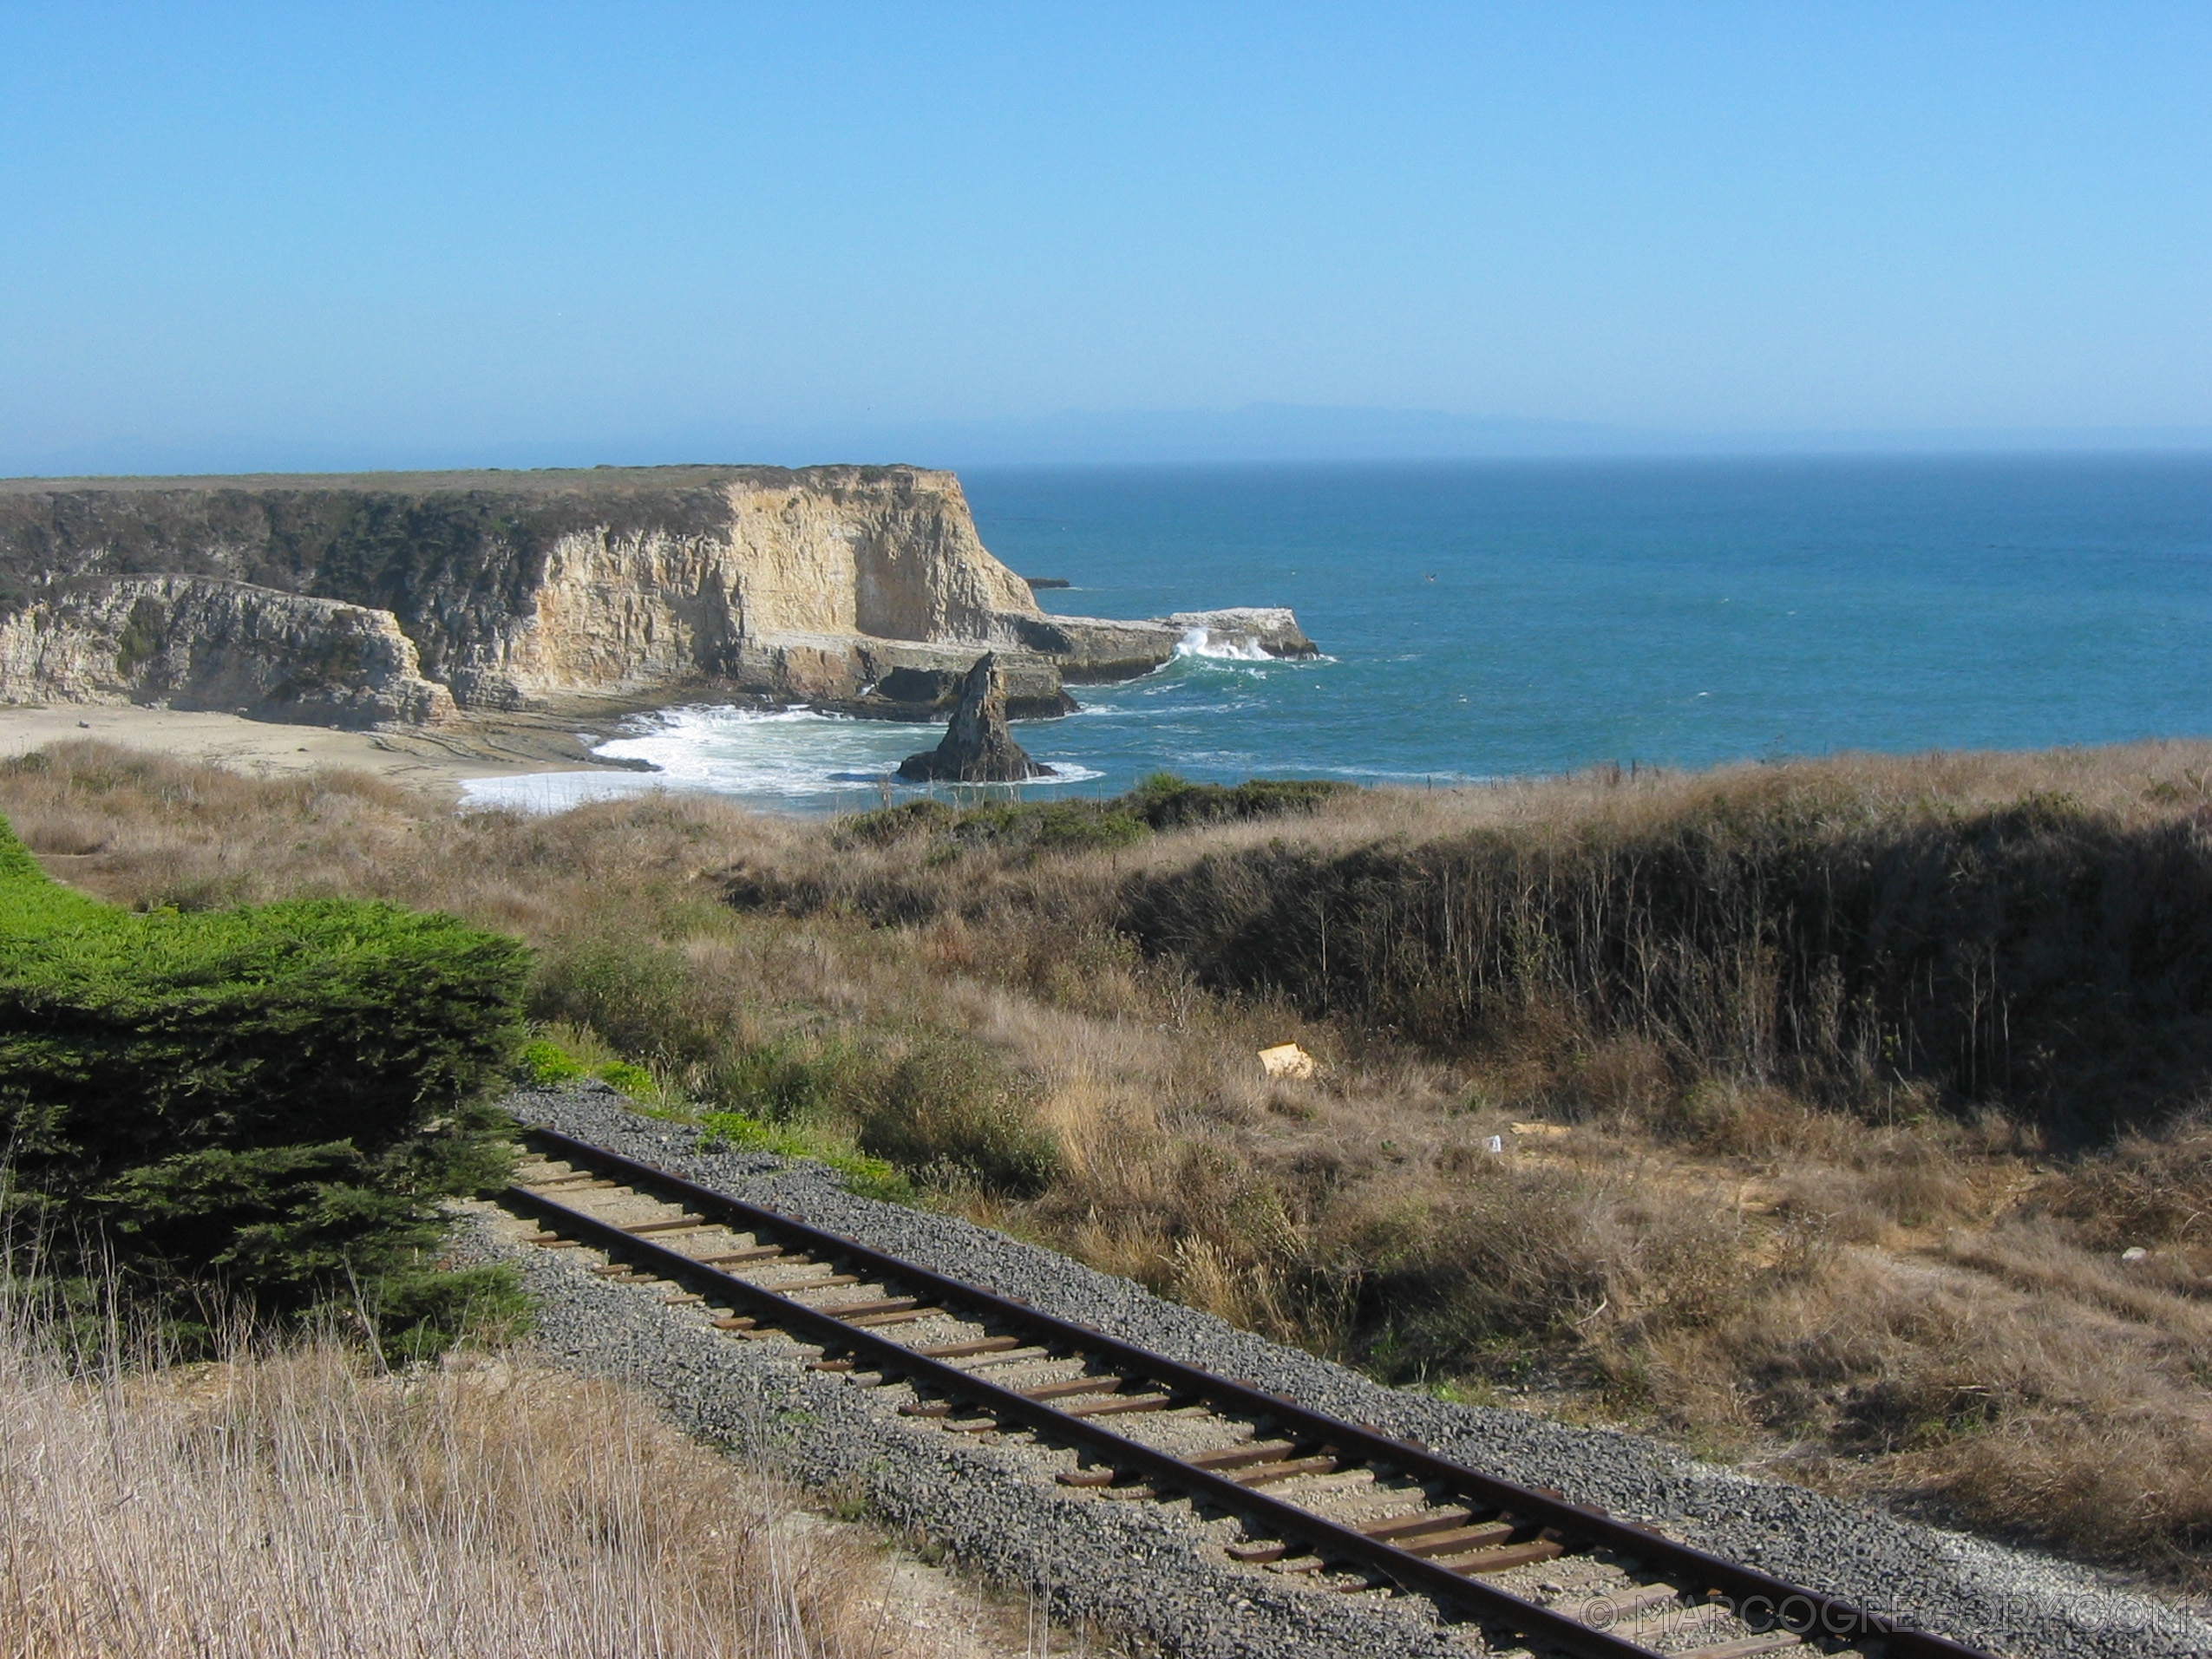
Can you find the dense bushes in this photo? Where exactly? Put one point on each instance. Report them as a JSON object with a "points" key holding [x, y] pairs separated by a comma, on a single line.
{"points": [[1165, 801], [265, 1102], [945, 1107], [2047, 955], [1162, 801]]}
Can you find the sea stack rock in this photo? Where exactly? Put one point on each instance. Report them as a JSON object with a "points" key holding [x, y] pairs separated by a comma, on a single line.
{"points": [[978, 747]]}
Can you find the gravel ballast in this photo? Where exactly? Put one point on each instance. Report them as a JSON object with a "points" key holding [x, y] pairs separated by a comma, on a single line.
{"points": [[1136, 1565]]}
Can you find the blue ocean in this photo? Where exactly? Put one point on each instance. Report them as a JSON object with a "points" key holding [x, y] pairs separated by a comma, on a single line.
{"points": [[1490, 619]]}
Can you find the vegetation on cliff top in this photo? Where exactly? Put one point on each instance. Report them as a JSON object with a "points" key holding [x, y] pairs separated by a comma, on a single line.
{"points": [[1831, 1094]]}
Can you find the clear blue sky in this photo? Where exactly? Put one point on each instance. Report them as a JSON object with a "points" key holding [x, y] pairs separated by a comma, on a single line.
{"points": [[363, 235]]}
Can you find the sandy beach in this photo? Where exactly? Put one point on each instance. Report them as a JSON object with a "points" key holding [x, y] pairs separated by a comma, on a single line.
{"points": [[435, 760]]}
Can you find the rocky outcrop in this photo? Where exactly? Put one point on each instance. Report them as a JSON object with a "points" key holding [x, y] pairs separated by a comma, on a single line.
{"points": [[978, 746], [1095, 650], [864, 588], [200, 642]]}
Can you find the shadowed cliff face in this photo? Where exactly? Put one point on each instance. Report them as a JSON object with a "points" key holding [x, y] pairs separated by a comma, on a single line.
{"points": [[511, 586]]}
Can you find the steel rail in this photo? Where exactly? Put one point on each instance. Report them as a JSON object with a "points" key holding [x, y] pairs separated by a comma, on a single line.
{"points": [[1787, 1606]]}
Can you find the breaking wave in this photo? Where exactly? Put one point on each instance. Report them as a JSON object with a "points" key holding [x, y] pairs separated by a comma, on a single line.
{"points": [[792, 757], [1200, 641]]}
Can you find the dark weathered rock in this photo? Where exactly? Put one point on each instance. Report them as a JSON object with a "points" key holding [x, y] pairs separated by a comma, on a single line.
{"points": [[920, 684], [978, 747]]}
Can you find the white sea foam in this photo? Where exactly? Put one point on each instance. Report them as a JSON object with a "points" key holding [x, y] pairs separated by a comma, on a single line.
{"points": [[1200, 641], [791, 755]]}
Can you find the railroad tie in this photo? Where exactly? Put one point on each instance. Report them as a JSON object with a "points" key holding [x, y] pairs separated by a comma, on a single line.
{"points": [[881, 1304], [979, 1345], [1406, 1526], [1029, 1355], [731, 1258], [1116, 1405], [1512, 1555], [1231, 1457], [870, 1321], [1619, 1604], [1461, 1539], [1070, 1385], [1263, 1474]]}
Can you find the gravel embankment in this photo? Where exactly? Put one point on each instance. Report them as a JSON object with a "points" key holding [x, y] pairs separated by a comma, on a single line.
{"points": [[1134, 1566]]}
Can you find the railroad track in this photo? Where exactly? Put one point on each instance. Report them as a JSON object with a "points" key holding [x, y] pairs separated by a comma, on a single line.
{"points": [[1337, 1505]]}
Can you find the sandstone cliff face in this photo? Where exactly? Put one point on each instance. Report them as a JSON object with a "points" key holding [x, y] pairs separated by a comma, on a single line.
{"points": [[512, 587], [796, 569], [200, 643]]}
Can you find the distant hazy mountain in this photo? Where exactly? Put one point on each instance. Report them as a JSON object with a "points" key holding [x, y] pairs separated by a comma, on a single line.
{"points": [[1256, 433]]}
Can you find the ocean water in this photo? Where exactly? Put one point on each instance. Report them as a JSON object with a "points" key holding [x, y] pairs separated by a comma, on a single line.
{"points": [[1488, 619]]}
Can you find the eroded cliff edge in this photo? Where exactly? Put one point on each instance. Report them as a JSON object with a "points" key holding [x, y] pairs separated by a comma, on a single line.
{"points": [[409, 597]]}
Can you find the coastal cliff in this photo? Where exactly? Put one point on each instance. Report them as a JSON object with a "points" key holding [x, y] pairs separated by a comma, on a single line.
{"points": [[859, 587], [196, 642]]}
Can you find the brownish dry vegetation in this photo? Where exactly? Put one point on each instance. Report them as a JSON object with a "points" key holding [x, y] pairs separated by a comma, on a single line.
{"points": [[1847, 1109], [295, 1502]]}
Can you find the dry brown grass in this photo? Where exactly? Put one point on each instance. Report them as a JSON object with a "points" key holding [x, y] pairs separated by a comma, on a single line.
{"points": [[1900, 1280], [295, 1504]]}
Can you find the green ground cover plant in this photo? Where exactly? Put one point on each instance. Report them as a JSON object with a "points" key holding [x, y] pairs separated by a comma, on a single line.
{"points": [[263, 1107], [871, 1177]]}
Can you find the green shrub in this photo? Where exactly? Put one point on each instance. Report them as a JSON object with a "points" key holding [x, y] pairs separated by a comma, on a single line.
{"points": [[1162, 801], [639, 996], [547, 1063], [632, 1079], [890, 825], [270, 1103], [943, 1108], [1048, 825], [953, 1108], [790, 1081], [1165, 801]]}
